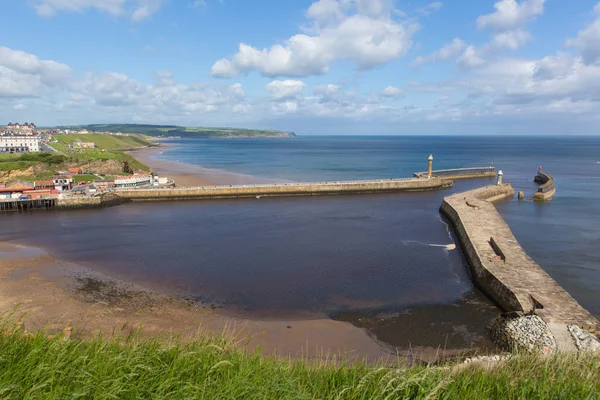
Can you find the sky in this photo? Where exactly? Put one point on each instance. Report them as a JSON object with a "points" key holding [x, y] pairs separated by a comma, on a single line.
{"points": [[313, 67]]}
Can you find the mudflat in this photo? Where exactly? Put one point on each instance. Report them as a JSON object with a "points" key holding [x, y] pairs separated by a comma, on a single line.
{"points": [[46, 293]]}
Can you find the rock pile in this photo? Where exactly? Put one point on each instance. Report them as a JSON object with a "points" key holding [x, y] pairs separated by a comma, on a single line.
{"points": [[584, 340], [529, 333]]}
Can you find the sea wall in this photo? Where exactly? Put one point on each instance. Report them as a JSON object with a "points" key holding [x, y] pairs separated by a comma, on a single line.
{"points": [[82, 202], [546, 190], [504, 272], [291, 189], [460, 173]]}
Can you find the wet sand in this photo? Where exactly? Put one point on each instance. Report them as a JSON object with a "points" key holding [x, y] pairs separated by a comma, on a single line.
{"points": [[48, 293]]}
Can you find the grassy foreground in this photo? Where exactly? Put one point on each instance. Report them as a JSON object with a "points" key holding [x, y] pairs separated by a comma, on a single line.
{"points": [[134, 368]]}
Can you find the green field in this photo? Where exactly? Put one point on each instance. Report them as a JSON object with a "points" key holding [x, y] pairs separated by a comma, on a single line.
{"points": [[174, 130], [106, 142], [215, 368]]}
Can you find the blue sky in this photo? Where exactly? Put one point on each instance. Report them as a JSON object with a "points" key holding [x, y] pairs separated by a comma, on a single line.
{"points": [[327, 66]]}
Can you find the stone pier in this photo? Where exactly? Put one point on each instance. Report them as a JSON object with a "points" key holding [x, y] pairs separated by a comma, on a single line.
{"points": [[546, 190], [504, 272], [287, 189]]}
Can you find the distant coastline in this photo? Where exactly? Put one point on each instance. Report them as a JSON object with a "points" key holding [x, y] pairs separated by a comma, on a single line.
{"points": [[172, 131]]}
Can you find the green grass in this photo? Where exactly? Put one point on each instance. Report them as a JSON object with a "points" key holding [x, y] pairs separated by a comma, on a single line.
{"points": [[107, 142], [9, 162], [215, 368], [48, 164], [84, 178]]}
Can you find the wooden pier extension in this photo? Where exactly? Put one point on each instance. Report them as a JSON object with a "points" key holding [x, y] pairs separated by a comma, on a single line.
{"points": [[24, 205]]}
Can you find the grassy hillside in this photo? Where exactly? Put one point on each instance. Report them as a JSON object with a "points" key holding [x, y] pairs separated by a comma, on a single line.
{"points": [[131, 368], [9, 162], [174, 130], [37, 166], [106, 142]]}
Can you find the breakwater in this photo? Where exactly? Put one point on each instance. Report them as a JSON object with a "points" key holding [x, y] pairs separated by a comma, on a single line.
{"points": [[287, 189], [546, 190], [83, 202], [460, 173], [506, 274]]}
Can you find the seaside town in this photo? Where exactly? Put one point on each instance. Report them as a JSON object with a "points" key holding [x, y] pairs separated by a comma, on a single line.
{"points": [[20, 143]]}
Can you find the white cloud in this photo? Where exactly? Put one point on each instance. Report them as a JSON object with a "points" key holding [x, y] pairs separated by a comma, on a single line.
{"points": [[511, 39], [451, 50], [588, 40], [137, 9], [511, 14], [19, 106], [362, 31], [51, 7], [115, 93], [163, 78], [392, 91], [554, 67], [25, 75], [145, 8], [508, 22], [430, 8], [447, 52], [285, 90], [470, 58]]}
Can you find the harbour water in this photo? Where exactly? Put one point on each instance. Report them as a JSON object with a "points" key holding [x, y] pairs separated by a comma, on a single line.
{"points": [[361, 259]]}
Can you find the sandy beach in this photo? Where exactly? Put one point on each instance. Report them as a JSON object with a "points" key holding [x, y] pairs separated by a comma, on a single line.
{"points": [[191, 175], [46, 293]]}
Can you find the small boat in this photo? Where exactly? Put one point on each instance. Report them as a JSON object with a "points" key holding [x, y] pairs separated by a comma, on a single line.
{"points": [[258, 197]]}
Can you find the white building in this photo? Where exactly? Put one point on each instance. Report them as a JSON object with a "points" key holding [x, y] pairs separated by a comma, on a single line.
{"points": [[133, 181], [19, 144]]}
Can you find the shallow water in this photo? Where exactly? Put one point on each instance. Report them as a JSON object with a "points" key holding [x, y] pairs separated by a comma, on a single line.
{"points": [[270, 258]]}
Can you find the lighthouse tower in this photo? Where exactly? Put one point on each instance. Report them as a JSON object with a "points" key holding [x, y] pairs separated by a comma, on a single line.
{"points": [[430, 166]]}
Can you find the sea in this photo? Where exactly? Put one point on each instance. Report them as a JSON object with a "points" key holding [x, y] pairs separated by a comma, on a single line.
{"points": [[353, 258]]}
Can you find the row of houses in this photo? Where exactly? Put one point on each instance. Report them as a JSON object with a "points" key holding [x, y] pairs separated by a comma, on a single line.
{"points": [[24, 129], [64, 184]]}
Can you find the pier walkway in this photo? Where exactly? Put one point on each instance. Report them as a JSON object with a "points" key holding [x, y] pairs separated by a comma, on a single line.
{"points": [[286, 189], [546, 190], [460, 173], [501, 268]]}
